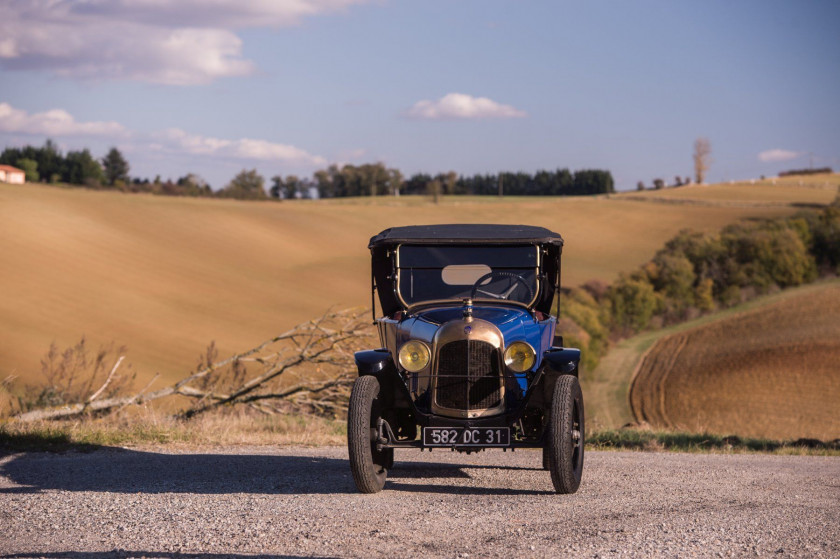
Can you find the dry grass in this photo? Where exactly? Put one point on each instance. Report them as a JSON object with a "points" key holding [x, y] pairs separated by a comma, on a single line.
{"points": [[802, 190], [769, 372], [165, 276], [151, 426]]}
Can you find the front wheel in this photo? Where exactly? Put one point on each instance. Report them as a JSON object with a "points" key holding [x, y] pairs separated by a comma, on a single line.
{"points": [[566, 435], [369, 466]]}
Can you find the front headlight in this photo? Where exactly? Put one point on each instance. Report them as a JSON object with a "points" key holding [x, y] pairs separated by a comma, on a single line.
{"points": [[520, 357], [414, 355]]}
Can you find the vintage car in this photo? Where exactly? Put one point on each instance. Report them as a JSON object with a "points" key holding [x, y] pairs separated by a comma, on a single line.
{"points": [[469, 353]]}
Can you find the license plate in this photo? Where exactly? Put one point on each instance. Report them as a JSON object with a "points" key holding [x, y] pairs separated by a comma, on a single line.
{"points": [[461, 436]]}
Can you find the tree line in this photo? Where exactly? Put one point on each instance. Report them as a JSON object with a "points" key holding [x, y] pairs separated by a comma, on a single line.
{"points": [[48, 164], [375, 179]]}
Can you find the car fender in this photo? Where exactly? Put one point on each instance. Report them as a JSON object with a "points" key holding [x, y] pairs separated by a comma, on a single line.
{"points": [[373, 361], [557, 362], [380, 364], [561, 361]]}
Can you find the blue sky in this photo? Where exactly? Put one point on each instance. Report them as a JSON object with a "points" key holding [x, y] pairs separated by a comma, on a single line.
{"points": [[215, 86]]}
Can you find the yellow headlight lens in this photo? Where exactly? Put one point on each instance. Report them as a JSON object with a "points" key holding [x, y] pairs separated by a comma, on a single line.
{"points": [[520, 357], [414, 356]]}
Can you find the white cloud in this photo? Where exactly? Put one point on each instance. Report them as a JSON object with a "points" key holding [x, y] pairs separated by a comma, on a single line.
{"points": [[458, 106], [210, 13], [58, 122], [176, 140], [187, 42], [773, 155], [55, 122]]}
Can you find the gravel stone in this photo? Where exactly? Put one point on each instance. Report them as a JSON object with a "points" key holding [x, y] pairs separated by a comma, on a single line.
{"points": [[294, 502]]}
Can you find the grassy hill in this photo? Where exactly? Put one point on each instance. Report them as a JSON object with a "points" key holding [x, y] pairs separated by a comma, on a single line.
{"points": [[800, 190], [165, 276], [770, 371]]}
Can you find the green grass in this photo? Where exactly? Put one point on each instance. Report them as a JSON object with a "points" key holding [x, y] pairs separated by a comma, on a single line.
{"points": [[644, 440]]}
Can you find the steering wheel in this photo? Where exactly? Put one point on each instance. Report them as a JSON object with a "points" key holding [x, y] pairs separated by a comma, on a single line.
{"points": [[505, 294]]}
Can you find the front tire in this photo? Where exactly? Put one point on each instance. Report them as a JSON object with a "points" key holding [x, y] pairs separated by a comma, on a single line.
{"points": [[566, 435], [369, 466]]}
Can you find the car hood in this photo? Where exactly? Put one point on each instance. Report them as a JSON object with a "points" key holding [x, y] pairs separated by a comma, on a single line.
{"points": [[515, 325]]}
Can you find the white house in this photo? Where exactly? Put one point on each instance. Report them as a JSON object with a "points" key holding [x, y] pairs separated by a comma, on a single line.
{"points": [[12, 175]]}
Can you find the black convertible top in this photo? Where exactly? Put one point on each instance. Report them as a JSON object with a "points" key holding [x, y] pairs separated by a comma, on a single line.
{"points": [[383, 259], [460, 234]]}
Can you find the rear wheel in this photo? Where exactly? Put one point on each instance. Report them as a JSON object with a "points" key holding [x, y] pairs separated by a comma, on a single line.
{"points": [[369, 466], [566, 435]]}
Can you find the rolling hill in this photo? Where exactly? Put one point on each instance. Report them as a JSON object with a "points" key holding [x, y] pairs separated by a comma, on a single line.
{"points": [[165, 276], [770, 371]]}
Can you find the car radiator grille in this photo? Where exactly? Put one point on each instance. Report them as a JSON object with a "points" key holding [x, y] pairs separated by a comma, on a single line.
{"points": [[468, 376]]}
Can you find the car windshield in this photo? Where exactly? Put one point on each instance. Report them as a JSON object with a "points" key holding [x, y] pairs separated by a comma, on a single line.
{"points": [[434, 272]]}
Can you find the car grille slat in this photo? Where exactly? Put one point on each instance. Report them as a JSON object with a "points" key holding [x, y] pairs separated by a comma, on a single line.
{"points": [[468, 376]]}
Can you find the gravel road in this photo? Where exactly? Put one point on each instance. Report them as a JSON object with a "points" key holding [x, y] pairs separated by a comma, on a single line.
{"points": [[297, 502]]}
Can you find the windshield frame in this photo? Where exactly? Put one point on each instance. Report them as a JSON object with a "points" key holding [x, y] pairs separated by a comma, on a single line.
{"points": [[448, 301]]}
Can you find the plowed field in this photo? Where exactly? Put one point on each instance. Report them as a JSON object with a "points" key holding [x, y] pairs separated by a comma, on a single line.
{"points": [[770, 372]]}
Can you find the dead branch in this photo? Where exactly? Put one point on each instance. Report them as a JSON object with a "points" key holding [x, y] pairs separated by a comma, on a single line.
{"points": [[102, 388], [319, 345]]}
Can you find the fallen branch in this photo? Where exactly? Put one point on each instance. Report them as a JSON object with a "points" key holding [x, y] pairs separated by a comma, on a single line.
{"points": [[102, 388], [315, 344]]}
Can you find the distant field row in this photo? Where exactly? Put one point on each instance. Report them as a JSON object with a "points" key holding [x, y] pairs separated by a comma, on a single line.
{"points": [[165, 276], [768, 372]]}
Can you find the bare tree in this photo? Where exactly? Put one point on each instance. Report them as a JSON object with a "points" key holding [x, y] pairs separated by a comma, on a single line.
{"points": [[433, 188], [395, 181], [449, 181], [702, 159]]}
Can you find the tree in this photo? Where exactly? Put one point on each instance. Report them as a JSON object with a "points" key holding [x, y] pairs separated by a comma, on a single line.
{"points": [[633, 302], [433, 189], [395, 181], [30, 168], [658, 184], [277, 189], [640, 185], [82, 168], [192, 184], [50, 160], [449, 180], [247, 185], [294, 187], [702, 159], [115, 167]]}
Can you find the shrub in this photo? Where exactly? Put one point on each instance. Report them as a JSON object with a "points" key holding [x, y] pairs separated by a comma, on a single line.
{"points": [[584, 310], [768, 253], [632, 303], [704, 295], [826, 238], [30, 169], [247, 185]]}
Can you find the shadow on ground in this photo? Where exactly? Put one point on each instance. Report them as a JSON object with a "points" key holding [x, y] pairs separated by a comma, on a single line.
{"points": [[116, 470], [125, 554]]}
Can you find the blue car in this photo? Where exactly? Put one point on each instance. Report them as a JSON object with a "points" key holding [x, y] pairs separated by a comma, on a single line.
{"points": [[469, 357]]}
